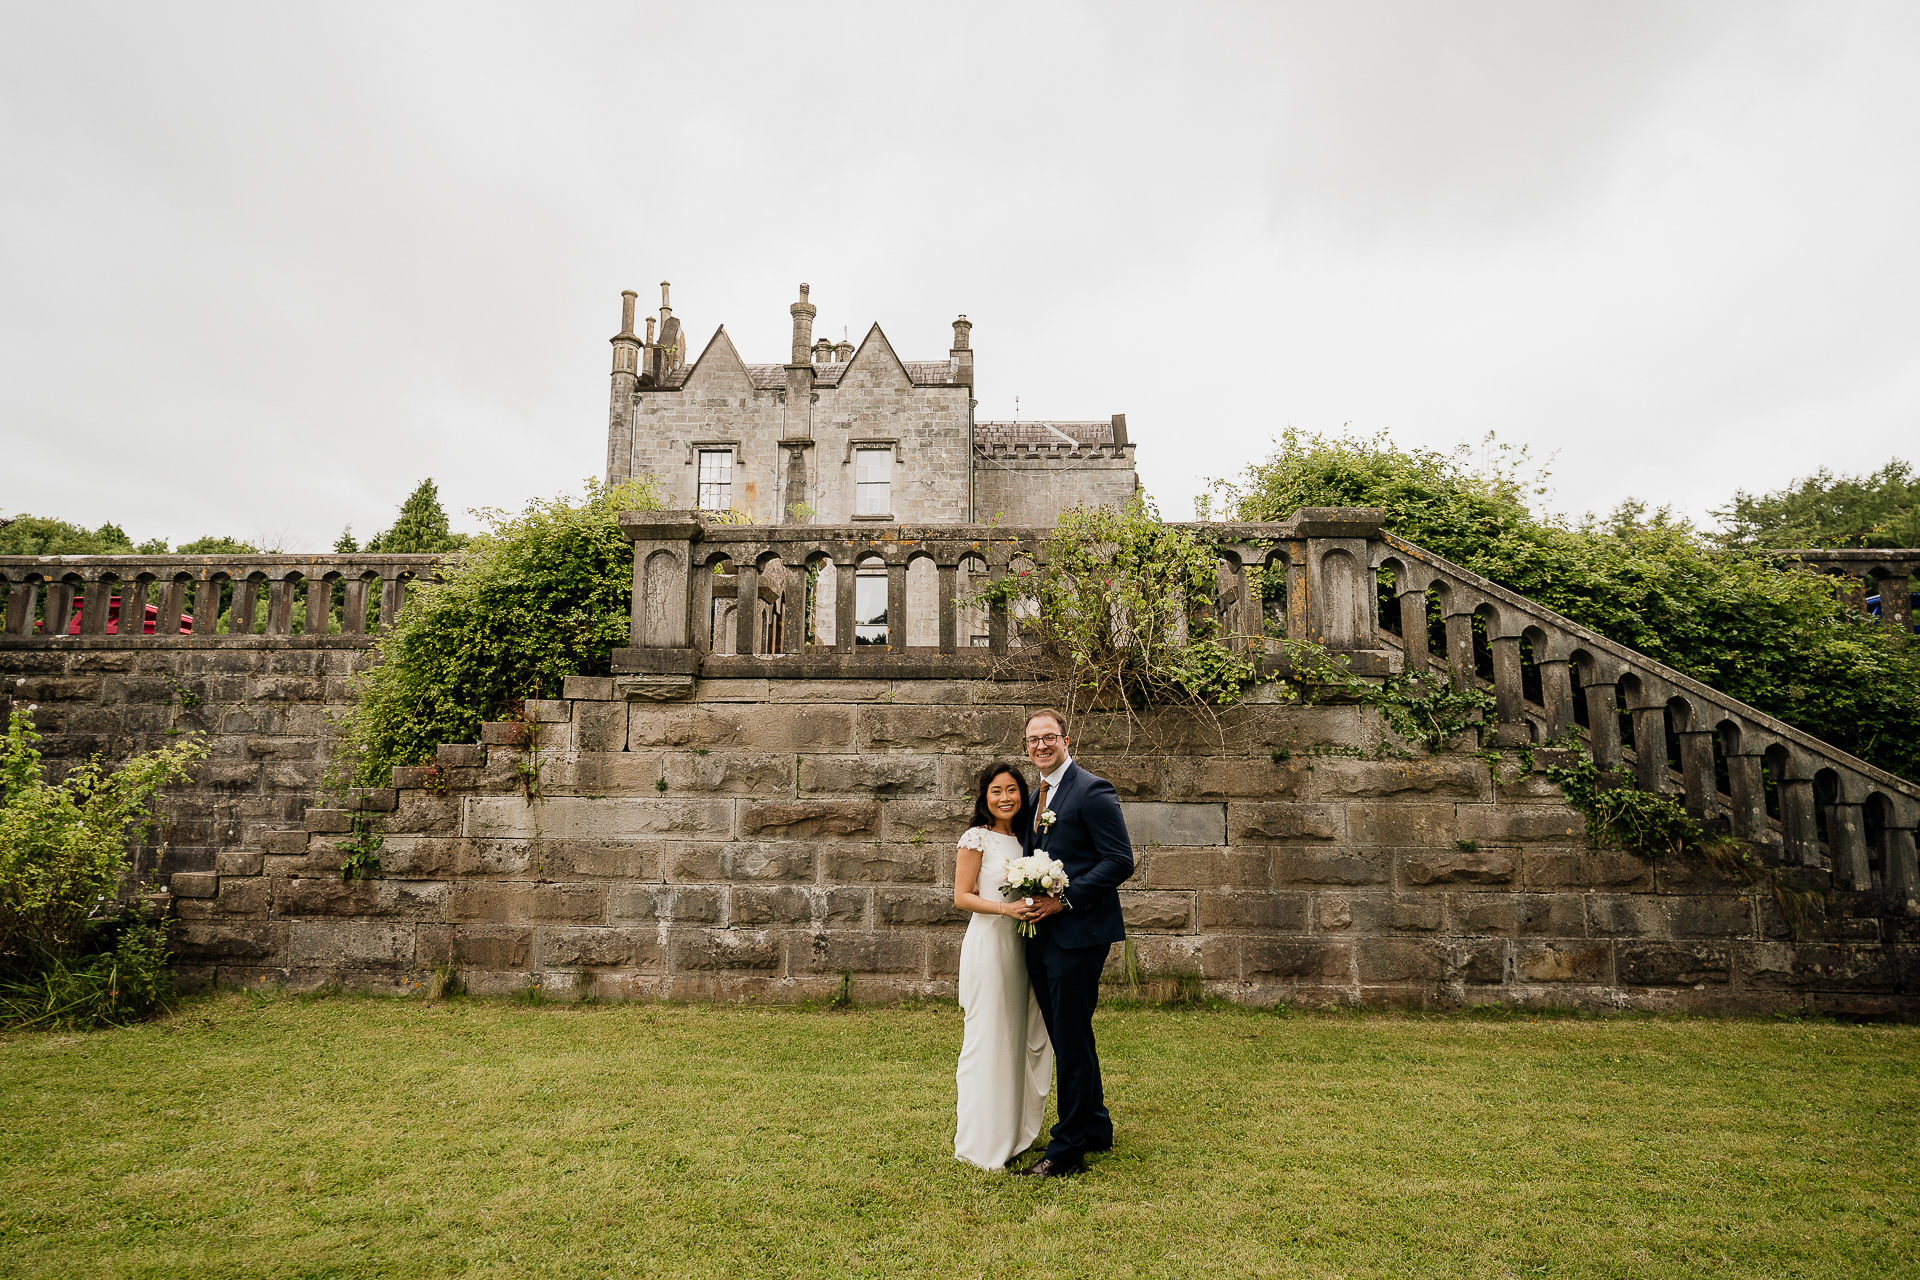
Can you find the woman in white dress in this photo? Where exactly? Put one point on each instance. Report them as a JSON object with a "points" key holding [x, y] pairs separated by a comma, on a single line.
{"points": [[1006, 1060]]}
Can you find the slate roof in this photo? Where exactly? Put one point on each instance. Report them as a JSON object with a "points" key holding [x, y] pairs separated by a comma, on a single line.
{"points": [[1008, 433]]}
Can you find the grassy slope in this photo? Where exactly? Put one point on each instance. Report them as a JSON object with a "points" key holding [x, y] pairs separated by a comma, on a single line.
{"points": [[268, 1136]]}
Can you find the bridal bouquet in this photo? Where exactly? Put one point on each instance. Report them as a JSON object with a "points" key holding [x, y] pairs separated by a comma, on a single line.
{"points": [[1026, 877]]}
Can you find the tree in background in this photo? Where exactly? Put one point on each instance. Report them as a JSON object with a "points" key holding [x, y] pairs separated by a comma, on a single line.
{"points": [[211, 546], [1825, 510], [1738, 620], [537, 597], [28, 535], [421, 528]]}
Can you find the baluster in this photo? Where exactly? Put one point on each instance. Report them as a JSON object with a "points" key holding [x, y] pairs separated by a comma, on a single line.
{"points": [[279, 607], [1509, 693], [844, 576], [746, 608], [1902, 867], [1696, 771], [98, 606], [23, 595], [700, 604], [997, 615], [58, 617], [319, 606], [1250, 611], [949, 611], [1747, 790], [1896, 605], [1797, 817], [1603, 724], [1649, 714], [206, 603], [1413, 628], [1556, 695], [353, 612], [173, 606], [393, 590], [1460, 647], [1847, 843], [897, 608], [246, 594]]}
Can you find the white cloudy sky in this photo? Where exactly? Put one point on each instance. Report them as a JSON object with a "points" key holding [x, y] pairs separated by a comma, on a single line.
{"points": [[263, 267]]}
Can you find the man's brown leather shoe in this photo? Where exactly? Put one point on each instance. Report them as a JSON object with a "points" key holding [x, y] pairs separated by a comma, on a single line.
{"points": [[1052, 1169]]}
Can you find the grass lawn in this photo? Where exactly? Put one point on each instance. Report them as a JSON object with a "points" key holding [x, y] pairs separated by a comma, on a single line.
{"points": [[275, 1136]]}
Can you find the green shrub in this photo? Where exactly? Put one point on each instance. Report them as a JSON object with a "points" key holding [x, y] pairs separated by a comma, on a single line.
{"points": [[1738, 620], [69, 953], [538, 597]]}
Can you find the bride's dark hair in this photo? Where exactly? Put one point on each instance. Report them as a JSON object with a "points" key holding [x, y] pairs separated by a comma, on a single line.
{"points": [[982, 817]]}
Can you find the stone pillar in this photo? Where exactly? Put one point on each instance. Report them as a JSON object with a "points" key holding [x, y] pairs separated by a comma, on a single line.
{"points": [[21, 598], [746, 603], [1802, 830], [844, 576], [996, 615], [57, 617], [206, 606], [1413, 628], [1747, 789], [660, 656], [97, 605], [1603, 724], [626, 381], [896, 608], [1902, 866], [1847, 843], [1556, 697], [246, 597], [960, 358], [1340, 604], [279, 608], [1696, 770], [353, 614], [319, 604], [1509, 693], [1460, 646], [803, 313], [949, 611], [1650, 742], [794, 508], [1896, 604]]}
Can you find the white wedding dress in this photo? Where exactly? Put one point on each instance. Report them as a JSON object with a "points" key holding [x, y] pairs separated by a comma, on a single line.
{"points": [[1006, 1060]]}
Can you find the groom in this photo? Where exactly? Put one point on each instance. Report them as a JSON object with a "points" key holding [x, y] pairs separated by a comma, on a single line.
{"points": [[1076, 820]]}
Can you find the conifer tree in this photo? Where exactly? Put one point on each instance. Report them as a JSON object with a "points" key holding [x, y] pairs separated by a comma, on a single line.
{"points": [[421, 528]]}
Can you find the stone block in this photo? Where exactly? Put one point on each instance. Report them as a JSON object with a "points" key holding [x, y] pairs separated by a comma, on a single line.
{"points": [[1590, 962], [1295, 958], [1508, 824], [1719, 917], [331, 821], [1243, 910], [331, 944], [1133, 777], [1213, 777], [935, 822], [768, 777], [725, 950], [587, 688], [889, 952], [491, 947], [1203, 869], [505, 733], [600, 726], [1583, 869], [1257, 822], [1628, 915], [783, 860], [1673, 964], [519, 902], [194, 884], [424, 813], [760, 728], [1161, 911], [1399, 823], [868, 776], [1401, 960], [1151, 823], [1549, 915], [587, 818], [1338, 778], [389, 899], [601, 947], [1456, 866], [756, 906], [547, 710], [892, 728], [680, 904], [809, 820], [1332, 913], [1330, 866], [239, 862], [460, 755], [245, 896], [228, 941], [372, 800], [1422, 915], [1479, 915], [871, 862], [410, 775], [915, 907]]}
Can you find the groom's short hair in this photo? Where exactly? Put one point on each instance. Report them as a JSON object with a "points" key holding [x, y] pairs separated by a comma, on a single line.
{"points": [[1055, 716]]}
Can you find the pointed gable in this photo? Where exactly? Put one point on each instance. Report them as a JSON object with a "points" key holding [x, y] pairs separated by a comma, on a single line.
{"points": [[875, 364], [719, 367]]}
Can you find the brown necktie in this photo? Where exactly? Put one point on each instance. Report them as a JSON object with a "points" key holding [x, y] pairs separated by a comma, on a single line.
{"points": [[1040, 805]]}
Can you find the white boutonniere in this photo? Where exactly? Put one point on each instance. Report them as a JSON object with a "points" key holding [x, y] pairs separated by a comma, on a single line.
{"points": [[1047, 819]]}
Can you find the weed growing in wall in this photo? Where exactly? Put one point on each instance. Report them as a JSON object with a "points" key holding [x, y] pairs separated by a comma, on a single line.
{"points": [[539, 596]]}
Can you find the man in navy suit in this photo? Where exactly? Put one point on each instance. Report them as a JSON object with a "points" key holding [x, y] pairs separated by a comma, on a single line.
{"points": [[1077, 821]]}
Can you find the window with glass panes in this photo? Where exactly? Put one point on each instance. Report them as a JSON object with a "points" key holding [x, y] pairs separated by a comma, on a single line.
{"points": [[870, 607], [873, 482], [716, 479]]}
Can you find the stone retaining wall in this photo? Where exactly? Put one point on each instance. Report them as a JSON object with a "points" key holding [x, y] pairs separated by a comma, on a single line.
{"points": [[770, 836]]}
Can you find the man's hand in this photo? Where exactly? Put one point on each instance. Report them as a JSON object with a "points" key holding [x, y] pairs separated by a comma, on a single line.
{"points": [[1043, 907]]}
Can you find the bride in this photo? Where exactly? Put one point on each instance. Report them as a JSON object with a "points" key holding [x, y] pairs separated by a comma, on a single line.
{"points": [[1006, 1060]]}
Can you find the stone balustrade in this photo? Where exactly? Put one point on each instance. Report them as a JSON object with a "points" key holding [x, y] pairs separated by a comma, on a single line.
{"points": [[207, 598], [1893, 574]]}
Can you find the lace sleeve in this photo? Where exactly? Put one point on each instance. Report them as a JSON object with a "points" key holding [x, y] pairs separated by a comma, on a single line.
{"points": [[975, 839]]}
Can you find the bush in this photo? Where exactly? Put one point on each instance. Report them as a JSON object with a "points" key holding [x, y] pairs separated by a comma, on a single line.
{"points": [[69, 953], [538, 597], [1738, 620]]}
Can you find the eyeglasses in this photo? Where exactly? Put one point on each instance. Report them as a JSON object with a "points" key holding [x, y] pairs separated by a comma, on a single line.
{"points": [[1045, 739]]}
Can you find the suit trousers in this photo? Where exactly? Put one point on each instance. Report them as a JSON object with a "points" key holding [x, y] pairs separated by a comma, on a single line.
{"points": [[1067, 981]]}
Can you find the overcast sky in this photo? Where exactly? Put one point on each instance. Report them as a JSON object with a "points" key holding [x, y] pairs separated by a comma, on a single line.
{"points": [[264, 267]]}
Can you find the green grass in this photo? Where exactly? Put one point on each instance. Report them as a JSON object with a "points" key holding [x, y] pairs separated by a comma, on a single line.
{"points": [[274, 1136]]}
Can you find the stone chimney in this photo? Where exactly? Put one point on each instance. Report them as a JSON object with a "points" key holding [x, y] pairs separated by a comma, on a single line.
{"points": [[960, 359], [842, 351], [803, 313], [823, 352], [626, 380], [668, 355]]}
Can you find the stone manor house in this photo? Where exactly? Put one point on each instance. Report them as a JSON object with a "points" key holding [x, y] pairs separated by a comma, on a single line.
{"points": [[842, 435]]}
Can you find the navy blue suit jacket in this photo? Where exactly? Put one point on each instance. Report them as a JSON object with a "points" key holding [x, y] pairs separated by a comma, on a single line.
{"points": [[1089, 837]]}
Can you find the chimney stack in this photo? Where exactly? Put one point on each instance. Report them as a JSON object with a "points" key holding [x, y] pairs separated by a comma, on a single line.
{"points": [[842, 351], [960, 359], [803, 313], [823, 352]]}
